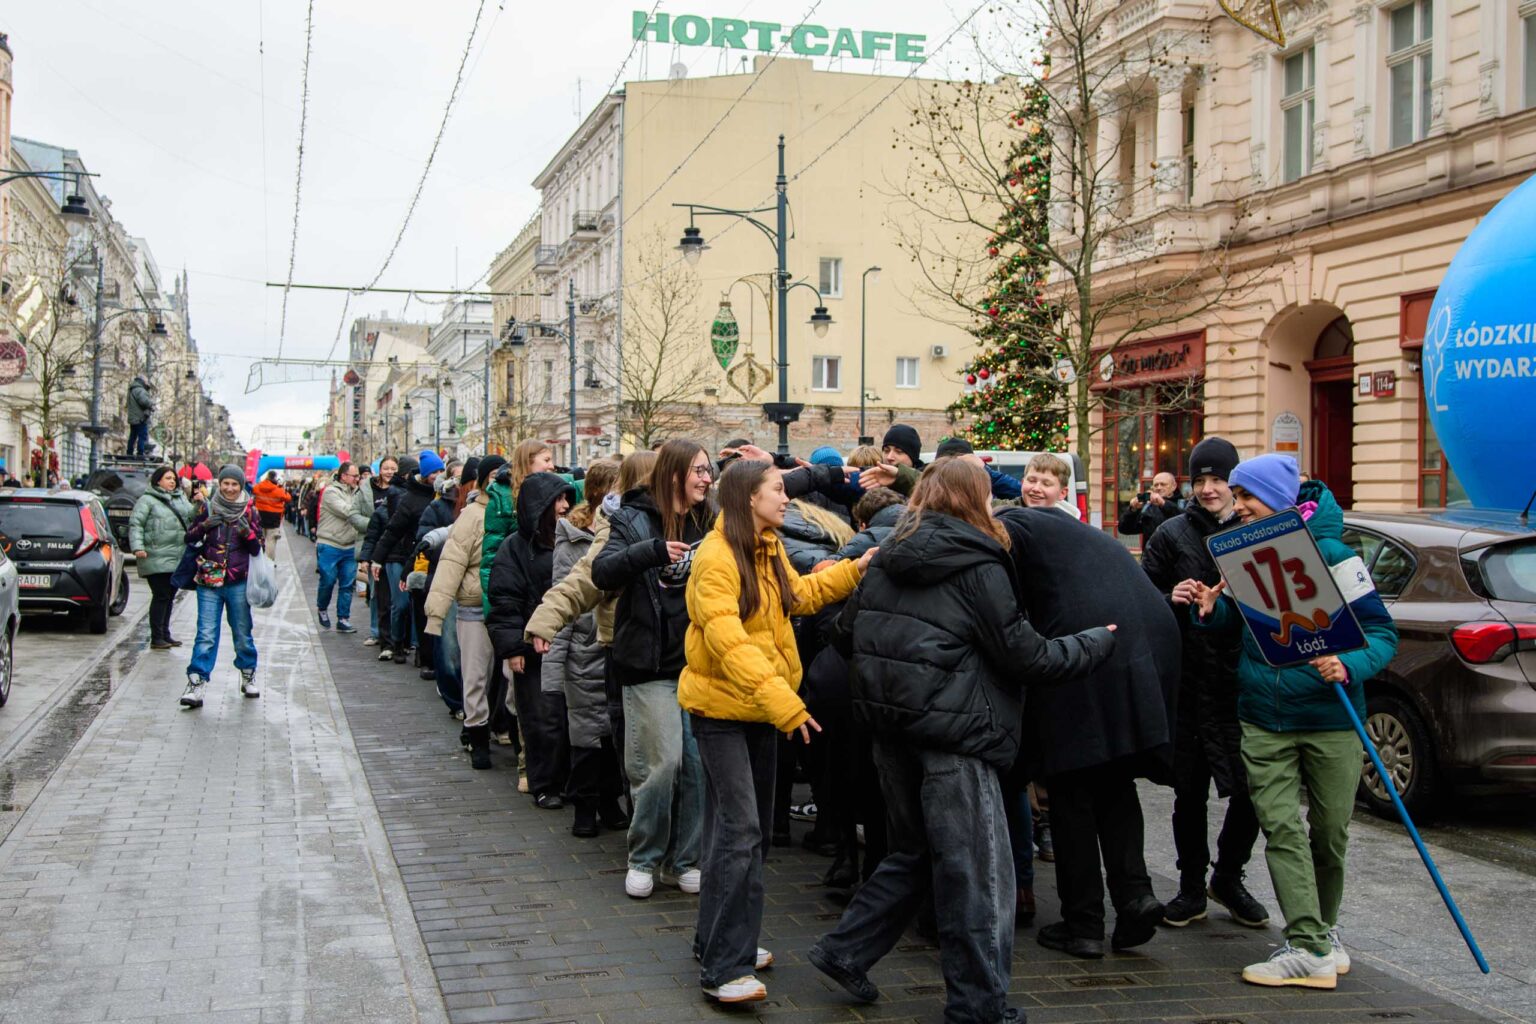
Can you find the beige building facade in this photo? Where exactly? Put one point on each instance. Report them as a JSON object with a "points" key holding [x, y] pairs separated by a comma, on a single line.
{"points": [[610, 224], [1341, 172]]}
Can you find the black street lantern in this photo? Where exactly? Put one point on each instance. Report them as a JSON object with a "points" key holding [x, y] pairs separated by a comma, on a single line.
{"points": [[76, 215], [692, 244], [820, 321], [159, 330]]}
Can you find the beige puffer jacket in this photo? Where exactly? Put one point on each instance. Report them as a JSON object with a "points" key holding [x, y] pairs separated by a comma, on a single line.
{"points": [[457, 580], [575, 595]]}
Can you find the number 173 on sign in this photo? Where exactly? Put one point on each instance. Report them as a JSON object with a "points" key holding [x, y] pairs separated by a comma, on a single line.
{"points": [[1287, 594]]}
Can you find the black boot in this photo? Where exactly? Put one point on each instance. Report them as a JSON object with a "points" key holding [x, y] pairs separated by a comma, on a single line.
{"points": [[585, 825], [479, 746]]}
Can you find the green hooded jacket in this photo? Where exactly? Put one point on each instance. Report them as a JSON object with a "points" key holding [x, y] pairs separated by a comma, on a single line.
{"points": [[158, 527], [1296, 699]]}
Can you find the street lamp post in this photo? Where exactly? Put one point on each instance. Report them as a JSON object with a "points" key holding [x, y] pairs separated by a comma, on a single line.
{"points": [[863, 311], [692, 246], [515, 337]]}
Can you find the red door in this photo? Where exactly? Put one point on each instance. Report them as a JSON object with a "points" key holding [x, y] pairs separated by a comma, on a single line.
{"points": [[1333, 433]]}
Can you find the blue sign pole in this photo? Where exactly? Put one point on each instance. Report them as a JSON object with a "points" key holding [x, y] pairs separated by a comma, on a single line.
{"points": [[1413, 833]]}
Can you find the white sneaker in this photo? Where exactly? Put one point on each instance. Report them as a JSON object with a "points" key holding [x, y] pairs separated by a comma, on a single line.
{"points": [[386, 654], [1340, 954], [192, 696], [372, 641], [764, 959], [742, 990], [1291, 966], [688, 881], [248, 687], [639, 884]]}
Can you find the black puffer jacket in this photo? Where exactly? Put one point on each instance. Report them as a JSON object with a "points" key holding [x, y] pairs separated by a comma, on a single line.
{"points": [[1075, 576], [874, 534], [805, 542], [940, 650], [523, 569], [398, 542], [1206, 721], [651, 618]]}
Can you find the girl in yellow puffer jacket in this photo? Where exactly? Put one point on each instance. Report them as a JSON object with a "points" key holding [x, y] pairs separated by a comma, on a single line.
{"points": [[739, 686]]}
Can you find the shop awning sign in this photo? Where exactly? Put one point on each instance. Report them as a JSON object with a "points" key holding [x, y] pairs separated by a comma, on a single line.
{"points": [[804, 39], [1291, 601]]}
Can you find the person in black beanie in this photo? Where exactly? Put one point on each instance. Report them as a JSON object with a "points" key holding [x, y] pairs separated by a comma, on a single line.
{"points": [[1207, 736], [902, 447]]}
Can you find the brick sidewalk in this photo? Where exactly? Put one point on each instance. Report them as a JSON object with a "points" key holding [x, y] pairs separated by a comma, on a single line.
{"points": [[522, 922], [224, 865]]}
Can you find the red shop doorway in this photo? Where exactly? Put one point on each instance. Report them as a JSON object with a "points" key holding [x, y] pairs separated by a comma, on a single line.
{"points": [[1332, 368]]}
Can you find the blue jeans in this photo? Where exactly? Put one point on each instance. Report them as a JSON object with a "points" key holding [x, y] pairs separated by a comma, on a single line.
{"points": [[739, 760], [337, 566], [230, 599], [445, 660], [666, 779], [375, 595], [948, 836], [399, 605], [138, 437], [1021, 834]]}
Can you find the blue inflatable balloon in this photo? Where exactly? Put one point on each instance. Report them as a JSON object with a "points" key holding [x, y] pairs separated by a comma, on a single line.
{"points": [[1480, 356], [298, 463]]}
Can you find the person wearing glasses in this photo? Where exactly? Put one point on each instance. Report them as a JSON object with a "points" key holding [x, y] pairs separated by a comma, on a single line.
{"points": [[647, 559], [342, 521]]}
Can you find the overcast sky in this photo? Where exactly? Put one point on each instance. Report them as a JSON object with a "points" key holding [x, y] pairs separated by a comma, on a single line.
{"points": [[189, 111]]}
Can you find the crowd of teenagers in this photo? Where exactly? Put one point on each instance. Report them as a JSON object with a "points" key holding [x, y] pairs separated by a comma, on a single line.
{"points": [[948, 654]]}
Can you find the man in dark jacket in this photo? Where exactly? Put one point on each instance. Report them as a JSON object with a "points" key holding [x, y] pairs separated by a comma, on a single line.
{"points": [[395, 550], [937, 642], [1207, 736], [1092, 740], [1144, 517], [140, 404], [520, 575]]}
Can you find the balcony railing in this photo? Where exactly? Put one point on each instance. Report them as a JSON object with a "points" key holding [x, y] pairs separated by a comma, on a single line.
{"points": [[545, 255], [584, 222]]}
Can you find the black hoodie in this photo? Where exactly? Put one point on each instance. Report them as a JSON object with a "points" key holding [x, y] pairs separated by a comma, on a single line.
{"points": [[523, 568], [940, 650]]}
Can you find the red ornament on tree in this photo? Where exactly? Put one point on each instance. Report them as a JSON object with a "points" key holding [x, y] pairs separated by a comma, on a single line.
{"points": [[992, 251], [983, 373], [992, 311], [970, 378]]}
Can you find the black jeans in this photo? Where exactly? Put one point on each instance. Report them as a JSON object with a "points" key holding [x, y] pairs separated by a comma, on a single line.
{"points": [[1239, 829], [1095, 812], [161, 598], [740, 760], [546, 737], [595, 774], [948, 837]]}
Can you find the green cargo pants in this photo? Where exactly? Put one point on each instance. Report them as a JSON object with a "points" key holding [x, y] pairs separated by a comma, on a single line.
{"points": [[1306, 863]]}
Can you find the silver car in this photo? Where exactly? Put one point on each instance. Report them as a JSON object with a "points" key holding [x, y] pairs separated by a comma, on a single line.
{"points": [[10, 622]]}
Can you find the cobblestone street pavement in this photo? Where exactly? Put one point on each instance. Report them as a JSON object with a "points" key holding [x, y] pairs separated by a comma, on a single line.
{"points": [[280, 860]]}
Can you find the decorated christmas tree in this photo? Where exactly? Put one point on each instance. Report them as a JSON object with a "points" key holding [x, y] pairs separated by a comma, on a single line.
{"points": [[1013, 394]]}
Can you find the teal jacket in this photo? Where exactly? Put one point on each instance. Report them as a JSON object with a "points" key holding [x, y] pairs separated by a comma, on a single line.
{"points": [[1296, 699], [158, 527], [501, 523]]}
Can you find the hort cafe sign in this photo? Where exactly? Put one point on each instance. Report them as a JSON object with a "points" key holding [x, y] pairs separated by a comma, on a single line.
{"points": [[804, 39]]}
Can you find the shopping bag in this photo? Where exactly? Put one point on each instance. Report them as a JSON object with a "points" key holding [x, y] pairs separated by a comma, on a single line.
{"points": [[261, 582]]}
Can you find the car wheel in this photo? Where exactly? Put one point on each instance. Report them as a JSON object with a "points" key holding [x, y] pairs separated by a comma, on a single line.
{"points": [[1406, 752], [7, 662], [122, 596], [96, 616]]}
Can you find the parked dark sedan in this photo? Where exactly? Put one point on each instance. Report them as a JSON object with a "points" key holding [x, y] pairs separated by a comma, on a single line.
{"points": [[66, 556], [1457, 705]]}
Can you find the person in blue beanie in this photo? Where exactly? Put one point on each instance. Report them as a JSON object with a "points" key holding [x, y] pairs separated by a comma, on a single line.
{"points": [[1296, 736]]}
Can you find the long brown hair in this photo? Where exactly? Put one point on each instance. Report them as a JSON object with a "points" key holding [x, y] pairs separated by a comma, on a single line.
{"points": [[668, 482], [738, 484], [522, 461], [954, 486], [601, 476], [635, 471]]}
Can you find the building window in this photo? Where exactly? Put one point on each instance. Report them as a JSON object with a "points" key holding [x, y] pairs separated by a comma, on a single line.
{"points": [[831, 278], [1408, 69], [1528, 30], [1189, 154], [1148, 430], [826, 373], [1298, 107], [906, 372], [1438, 486]]}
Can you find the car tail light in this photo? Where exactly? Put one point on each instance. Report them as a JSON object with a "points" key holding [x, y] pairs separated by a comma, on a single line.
{"points": [[89, 538], [1516, 761], [1082, 505], [1483, 642]]}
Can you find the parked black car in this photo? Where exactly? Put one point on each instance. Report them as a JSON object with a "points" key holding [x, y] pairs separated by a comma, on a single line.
{"points": [[119, 485], [66, 556], [1457, 705]]}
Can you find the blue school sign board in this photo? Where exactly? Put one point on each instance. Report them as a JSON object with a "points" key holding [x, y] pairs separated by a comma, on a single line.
{"points": [[1285, 590]]}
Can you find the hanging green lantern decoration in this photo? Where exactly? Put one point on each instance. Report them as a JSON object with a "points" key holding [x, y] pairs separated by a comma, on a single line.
{"points": [[725, 334]]}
